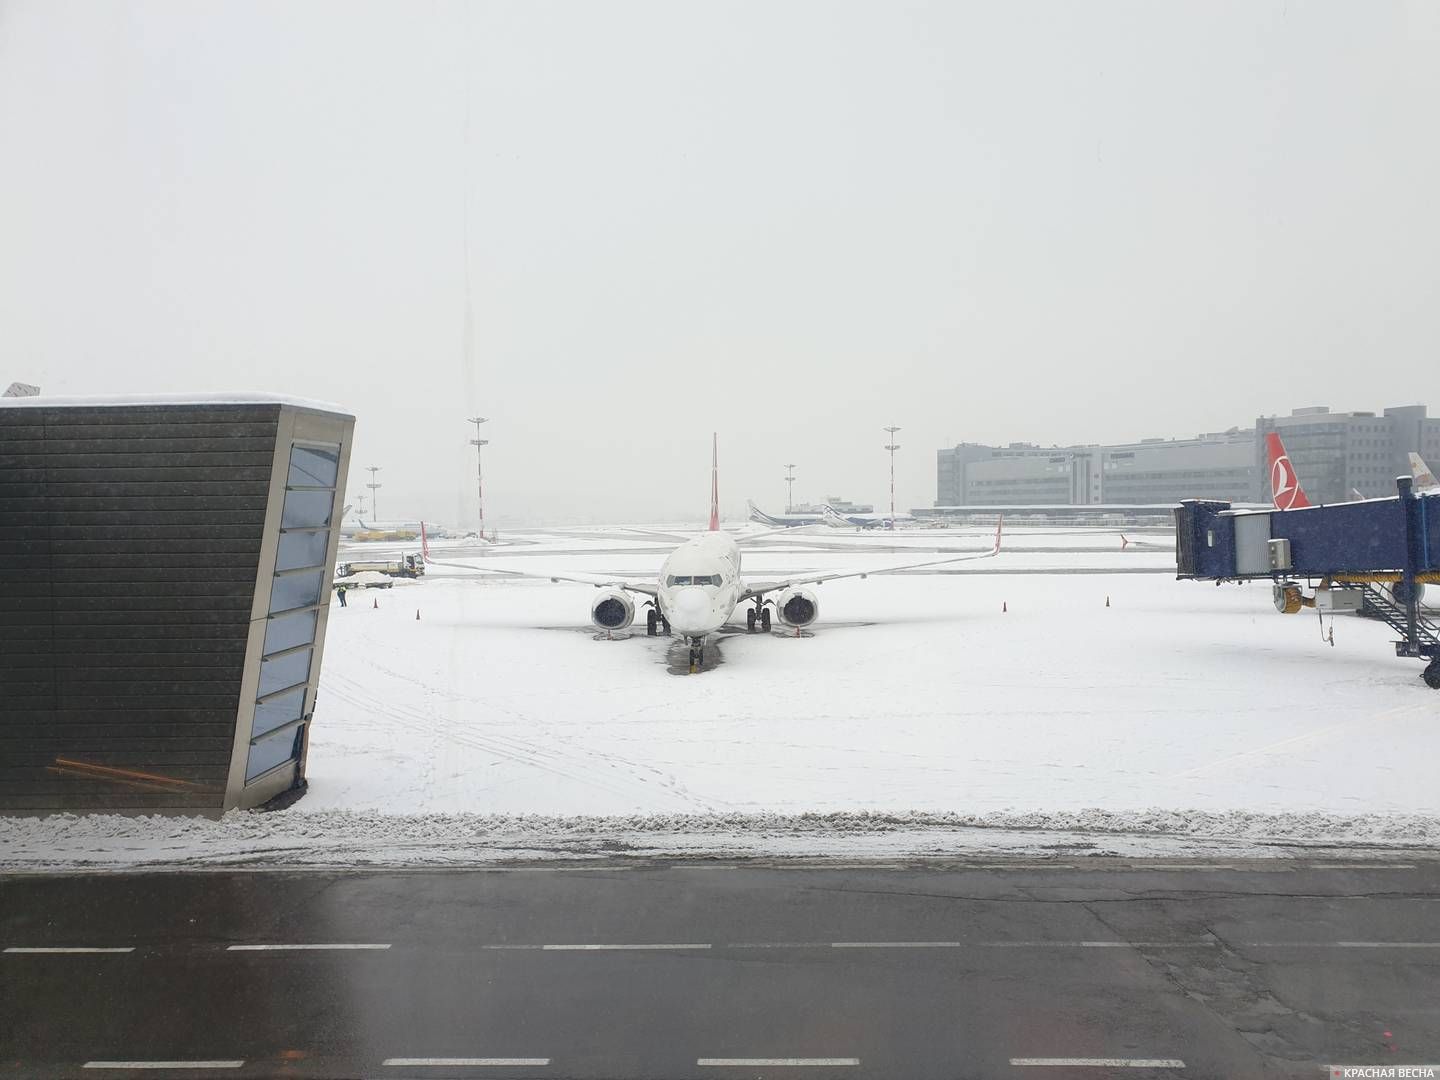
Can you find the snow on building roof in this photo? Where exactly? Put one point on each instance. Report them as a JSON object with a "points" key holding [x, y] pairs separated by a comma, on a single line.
{"points": [[241, 397]]}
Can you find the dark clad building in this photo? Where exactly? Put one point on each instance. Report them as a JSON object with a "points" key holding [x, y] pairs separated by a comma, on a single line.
{"points": [[165, 570]]}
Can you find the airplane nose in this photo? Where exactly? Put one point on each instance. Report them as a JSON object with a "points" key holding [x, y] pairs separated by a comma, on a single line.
{"points": [[691, 611]]}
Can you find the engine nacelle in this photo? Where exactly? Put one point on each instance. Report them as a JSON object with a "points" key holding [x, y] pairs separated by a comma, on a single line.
{"points": [[797, 607], [612, 610], [1400, 592]]}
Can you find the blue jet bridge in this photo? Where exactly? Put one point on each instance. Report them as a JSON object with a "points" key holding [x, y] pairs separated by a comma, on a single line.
{"points": [[1373, 557]]}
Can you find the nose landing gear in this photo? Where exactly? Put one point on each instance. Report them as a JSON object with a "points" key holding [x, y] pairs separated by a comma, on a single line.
{"points": [[697, 657]]}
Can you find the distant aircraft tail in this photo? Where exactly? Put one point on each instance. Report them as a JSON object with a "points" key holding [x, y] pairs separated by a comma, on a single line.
{"points": [[832, 517], [715, 482], [1124, 542], [1424, 478], [424, 544], [1285, 489]]}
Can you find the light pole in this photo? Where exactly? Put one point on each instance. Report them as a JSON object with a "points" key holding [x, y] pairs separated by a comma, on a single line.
{"points": [[478, 442], [789, 487], [374, 486], [892, 446]]}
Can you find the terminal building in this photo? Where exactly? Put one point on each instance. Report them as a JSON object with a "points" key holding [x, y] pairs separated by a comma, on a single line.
{"points": [[164, 593], [1335, 454]]}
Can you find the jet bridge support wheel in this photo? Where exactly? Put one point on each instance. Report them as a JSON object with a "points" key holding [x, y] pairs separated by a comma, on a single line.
{"points": [[1432, 673]]}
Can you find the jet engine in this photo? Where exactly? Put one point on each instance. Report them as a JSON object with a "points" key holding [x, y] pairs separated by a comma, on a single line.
{"points": [[797, 607], [1400, 593], [612, 610]]}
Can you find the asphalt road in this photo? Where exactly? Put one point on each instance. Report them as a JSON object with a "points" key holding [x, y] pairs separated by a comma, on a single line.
{"points": [[1111, 969]]}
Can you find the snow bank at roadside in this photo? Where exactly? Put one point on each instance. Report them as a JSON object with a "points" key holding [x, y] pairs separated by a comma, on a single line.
{"points": [[348, 838]]}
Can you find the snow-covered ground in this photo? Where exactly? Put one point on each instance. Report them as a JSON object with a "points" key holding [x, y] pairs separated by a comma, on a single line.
{"points": [[1066, 684]]}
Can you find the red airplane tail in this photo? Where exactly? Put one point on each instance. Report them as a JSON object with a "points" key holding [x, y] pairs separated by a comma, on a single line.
{"points": [[424, 544], [1285, 489], [715, 482]]}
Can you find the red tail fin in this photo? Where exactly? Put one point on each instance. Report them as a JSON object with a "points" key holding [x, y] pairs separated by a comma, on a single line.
{"points": [[1285, 487], [715, 482], [424, 544]]}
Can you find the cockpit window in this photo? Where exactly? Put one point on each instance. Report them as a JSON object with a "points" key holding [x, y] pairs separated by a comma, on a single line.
{"points": [[695, 579], [676, 580]]}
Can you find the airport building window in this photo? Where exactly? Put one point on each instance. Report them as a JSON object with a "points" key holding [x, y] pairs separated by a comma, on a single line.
{"points": [[300, 549], [288, 631], [296, 590], [314, 466], [267, 753], [279, 672], [306, 509]]}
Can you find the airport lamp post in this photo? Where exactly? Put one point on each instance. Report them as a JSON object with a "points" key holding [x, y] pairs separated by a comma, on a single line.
{"points": [[374, 486], [478, 442], [789, 487], [892, 446]]}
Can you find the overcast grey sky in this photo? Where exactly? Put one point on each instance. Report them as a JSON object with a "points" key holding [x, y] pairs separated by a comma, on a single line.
{"points": [[792, 223]]}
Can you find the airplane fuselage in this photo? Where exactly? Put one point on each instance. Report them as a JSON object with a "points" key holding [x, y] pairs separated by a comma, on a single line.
{"points": [[700, 585]]}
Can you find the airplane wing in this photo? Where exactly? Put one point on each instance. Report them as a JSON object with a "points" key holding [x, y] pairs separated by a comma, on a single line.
{"points": [[492, 569], [760, 588]]}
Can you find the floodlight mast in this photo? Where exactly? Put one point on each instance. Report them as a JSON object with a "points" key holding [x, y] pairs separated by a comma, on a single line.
{"points": [[789, 488], [478, 443], [892, 446]]}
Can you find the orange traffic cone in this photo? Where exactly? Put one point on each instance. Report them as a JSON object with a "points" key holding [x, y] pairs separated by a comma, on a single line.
{"points": [[1107, 601], [417, 614], [375, 601], [1004, 606]]}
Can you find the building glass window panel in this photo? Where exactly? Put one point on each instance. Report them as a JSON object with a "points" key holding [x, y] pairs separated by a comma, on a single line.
{"points": [[295, 590], [307, 509], [288, 670], [276, 750], [269, 715], [314, 466], [299, 549], [290, 630]]}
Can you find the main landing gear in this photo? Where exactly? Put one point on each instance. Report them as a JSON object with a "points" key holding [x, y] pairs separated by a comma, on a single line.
{"points": [[757, 614], [655, 623]]}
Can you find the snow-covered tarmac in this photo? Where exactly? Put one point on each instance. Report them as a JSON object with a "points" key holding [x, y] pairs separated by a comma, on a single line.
{"points": [[930, 712]]}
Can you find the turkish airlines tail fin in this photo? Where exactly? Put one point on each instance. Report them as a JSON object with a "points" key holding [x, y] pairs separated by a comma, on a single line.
{"points": [[715, 482], [1285, 489], [1424, 478]]}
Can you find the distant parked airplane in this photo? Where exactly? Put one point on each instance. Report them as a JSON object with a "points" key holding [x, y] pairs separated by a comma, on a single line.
{"points": [[782, 521], [1425, 482], [839, 519]]}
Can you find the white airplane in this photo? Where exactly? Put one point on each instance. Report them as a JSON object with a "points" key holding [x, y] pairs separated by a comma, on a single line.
{"points": [[839, 520], [700, 585]]}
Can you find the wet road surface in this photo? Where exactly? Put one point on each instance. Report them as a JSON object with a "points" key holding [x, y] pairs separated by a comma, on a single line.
{"points": [[1042, 971]]}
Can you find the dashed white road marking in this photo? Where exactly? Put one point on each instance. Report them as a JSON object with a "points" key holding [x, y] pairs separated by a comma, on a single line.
{"points": [[618, 948], [1341, 944], [769, 1062], [1097, 944], [464, 1062], [325, 947], [163, 1064], [34, 949], [1104, 1063], [1357, 866], [896, 944]]}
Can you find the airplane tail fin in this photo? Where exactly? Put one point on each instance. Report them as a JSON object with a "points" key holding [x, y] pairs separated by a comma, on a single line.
{"points": [[715, 482], [424, 544], [1424, 478], [999, 527], [1124, 542], [1285, 489]]}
